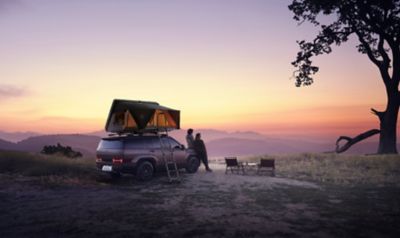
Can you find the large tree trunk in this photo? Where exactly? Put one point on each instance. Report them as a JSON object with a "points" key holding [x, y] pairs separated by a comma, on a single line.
{"points": [[388, 127]]}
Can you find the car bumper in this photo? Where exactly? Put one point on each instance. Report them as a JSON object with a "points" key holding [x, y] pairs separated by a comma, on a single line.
{"points": [[115, 168]]}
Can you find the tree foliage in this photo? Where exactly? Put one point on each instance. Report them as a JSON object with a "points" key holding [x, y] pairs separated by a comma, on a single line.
{"points": [[375, 23]]}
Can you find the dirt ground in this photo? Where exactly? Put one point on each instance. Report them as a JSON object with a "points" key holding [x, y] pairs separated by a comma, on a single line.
{"points": [[202, 205]]}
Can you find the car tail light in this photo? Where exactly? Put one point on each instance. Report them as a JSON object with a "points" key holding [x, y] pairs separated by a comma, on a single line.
{"points": [[98, 159], [117, 160]]}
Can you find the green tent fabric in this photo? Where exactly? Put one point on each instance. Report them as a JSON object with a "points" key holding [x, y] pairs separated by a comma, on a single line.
{"points": [[127, 116]]}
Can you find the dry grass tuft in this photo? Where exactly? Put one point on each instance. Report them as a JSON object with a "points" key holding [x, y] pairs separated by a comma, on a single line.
{"points": [[52, 169], [339, 169]]}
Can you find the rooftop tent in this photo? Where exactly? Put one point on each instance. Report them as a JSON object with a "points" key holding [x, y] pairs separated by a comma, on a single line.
{"points": [[128, 116]]}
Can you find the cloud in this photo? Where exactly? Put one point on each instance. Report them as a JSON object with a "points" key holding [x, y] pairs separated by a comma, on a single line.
{"points": [[9, 91]]}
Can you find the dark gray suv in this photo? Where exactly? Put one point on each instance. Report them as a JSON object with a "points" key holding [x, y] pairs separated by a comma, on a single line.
{"points": [[142, 155]]}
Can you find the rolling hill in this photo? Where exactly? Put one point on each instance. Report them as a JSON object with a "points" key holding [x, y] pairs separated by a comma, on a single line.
{"points": [[6, 145], [16, 136], [219, 143], [85, 144]]}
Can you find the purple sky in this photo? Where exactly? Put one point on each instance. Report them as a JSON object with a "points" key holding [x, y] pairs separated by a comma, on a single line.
{"points": [[224, 63]]}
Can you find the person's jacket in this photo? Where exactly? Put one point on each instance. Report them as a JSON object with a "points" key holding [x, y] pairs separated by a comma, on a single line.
{"points": [[200, 148], [189, 141]]}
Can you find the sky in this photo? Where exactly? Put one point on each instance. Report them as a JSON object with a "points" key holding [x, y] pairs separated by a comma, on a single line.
{"points": [[224, 63]]}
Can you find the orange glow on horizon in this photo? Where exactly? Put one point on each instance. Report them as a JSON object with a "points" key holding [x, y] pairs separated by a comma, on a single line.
{"points": [[234, 74]]}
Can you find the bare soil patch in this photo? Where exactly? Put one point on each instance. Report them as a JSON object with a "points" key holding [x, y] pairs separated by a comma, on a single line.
{"points": [[202, 205]]}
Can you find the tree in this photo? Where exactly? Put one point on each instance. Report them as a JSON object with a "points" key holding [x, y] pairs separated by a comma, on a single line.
{"points": [[376, 25]]}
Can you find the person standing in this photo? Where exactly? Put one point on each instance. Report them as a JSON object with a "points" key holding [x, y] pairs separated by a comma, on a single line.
{"points": [[200, 149], [189, 138]]}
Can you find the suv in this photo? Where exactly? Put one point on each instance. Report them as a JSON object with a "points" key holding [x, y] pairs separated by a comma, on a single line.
{"points": [[143, 155]]}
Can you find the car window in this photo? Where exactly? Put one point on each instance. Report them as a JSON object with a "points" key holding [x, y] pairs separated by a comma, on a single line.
{"points": [[110, 144], [153, 143], [170, 142], [136, 143], [173, 143]]}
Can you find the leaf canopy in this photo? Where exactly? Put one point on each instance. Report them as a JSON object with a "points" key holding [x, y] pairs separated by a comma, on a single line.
{"points": [[376, 24]]}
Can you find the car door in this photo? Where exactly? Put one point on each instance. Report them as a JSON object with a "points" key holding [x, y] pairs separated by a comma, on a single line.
{"points": [[177, 151], [134, 148], [155, 150]]}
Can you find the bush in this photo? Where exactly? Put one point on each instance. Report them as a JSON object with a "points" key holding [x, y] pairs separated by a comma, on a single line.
{"points": [[59, 149]]}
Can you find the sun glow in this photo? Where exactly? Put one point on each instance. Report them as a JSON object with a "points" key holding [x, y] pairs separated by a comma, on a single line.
{"points": [[233, 74]]}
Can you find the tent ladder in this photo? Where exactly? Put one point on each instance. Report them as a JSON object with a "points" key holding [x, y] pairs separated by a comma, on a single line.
{"points": [[169, 161]]}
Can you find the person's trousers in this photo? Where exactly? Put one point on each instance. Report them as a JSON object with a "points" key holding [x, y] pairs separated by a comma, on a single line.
{"points": [[204, 160]]}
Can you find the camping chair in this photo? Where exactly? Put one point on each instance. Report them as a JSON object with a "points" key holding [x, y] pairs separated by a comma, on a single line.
{"points": [[233, 165], [266, 165]]}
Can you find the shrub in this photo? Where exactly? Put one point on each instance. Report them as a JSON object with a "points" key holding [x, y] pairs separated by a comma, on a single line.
{"points": [[59, 149]]}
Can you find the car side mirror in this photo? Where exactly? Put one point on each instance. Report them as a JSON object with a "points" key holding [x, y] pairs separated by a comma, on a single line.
{"points": [[178, 147], [182, 147]]}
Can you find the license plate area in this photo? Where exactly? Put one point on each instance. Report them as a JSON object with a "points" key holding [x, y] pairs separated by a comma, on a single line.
{"points": [[106, 168]]}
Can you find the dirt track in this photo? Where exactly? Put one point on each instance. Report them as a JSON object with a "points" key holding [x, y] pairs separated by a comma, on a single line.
{"points": [[202, 205]]}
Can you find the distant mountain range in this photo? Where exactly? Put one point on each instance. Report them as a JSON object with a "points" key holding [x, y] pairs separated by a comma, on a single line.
{"points": [[85, 144], [219, 143], [16, 136]]}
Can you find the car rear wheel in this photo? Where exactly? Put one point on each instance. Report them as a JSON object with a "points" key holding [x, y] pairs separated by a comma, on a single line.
{"points": [[192, 164], [145, 171]]}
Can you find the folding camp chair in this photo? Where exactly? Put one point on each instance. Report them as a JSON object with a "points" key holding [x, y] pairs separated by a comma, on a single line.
{"points": [[266, 165], [233, 165]]}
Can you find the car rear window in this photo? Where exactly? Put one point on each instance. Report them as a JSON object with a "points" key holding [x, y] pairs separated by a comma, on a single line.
{"points": [[111, 144]]}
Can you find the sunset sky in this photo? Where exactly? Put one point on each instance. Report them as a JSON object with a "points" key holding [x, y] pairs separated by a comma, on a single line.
{"points": [[224, 63]]}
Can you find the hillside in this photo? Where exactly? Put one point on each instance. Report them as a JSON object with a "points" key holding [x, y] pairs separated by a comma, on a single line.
{"points": [[16, 136], [83, 143], [239, 146], [211, 134], [219, 143], [6, 145]]}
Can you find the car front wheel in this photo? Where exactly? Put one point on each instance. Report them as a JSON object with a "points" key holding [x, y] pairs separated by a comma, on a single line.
{"points": [[192, 164], [145, 171]]}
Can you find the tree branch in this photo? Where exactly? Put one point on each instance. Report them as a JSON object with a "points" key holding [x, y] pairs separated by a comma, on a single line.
{"points": [[395, 47], [382, 52], [378, 114], [368, 49], [351, 141], [382, 65]]}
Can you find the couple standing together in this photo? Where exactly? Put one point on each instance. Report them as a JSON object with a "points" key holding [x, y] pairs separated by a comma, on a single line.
{"points": [[197, 144]]}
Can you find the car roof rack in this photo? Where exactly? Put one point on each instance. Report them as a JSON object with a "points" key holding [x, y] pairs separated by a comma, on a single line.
{"points": [[147, 131]]}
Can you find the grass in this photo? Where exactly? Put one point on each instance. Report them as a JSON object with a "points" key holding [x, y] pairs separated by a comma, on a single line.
{"points": [[338, 169], [50, 168], [351, 170]]}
